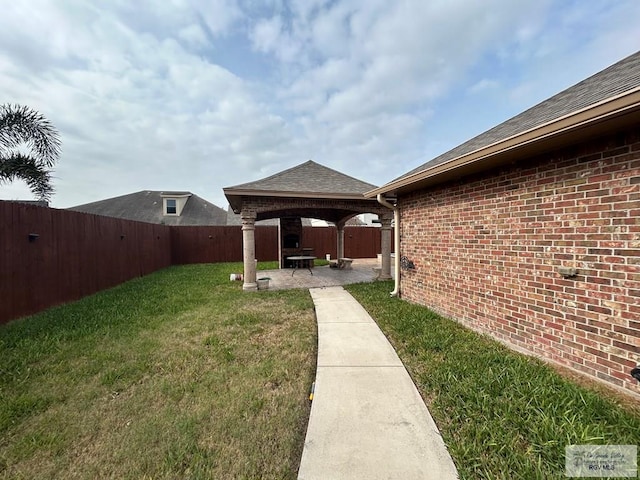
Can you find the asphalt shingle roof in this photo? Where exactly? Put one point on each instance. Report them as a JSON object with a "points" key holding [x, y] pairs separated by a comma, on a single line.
{"points": [[614, 80], [308, 177], [146, 206]]}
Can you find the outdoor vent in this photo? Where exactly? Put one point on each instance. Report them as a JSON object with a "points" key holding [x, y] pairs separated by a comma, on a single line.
{"points": [[635, 373], [406, 264]]}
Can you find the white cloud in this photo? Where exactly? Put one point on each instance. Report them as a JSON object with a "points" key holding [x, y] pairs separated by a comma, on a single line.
{"points": [[193, 36], [330, 32], [142, 98], [267, 34], [483, 85], [271, 36], [218, 15]]}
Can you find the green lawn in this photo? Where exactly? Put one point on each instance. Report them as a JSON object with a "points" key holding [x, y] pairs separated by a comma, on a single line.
{"points": [[179, 374], [502, 415]]}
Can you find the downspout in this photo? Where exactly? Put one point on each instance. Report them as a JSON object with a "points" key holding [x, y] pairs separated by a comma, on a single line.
{"points": [[396, 238]]}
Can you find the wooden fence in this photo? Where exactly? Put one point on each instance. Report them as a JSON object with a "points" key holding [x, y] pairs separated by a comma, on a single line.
{"points": [[219, 244], [50, 256], [359, 242], [224, 244]]}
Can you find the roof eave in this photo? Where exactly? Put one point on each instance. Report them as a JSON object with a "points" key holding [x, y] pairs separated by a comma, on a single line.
{"points": [[278, 193], [599, 117], [175, 194], [234, 195]]}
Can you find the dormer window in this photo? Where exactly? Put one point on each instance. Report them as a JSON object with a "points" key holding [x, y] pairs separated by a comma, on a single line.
{"points": [[173, 203], [171, 206]]}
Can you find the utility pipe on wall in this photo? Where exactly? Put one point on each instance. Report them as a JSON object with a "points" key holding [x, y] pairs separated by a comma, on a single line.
{"points": [[396, 238]]}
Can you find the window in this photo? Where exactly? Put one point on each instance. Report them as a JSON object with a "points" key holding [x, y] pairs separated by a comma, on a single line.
{"points": [[172, 208]]}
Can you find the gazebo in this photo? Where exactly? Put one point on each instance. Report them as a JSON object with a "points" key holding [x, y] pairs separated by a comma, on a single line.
{"points": [[308, 190]]}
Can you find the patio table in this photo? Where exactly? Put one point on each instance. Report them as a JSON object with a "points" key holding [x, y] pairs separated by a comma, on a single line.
{"points": [[302, 261]]}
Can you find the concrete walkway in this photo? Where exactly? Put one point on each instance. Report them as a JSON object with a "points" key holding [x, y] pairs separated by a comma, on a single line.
{"points": [[367, 419], [284, 279]]}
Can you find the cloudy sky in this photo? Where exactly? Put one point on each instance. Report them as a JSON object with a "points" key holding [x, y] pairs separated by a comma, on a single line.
{"points": [[202, 94]]}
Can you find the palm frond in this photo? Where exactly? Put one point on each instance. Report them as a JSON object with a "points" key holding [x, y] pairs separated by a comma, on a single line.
{"points": [[23, 167], [20, 125]]}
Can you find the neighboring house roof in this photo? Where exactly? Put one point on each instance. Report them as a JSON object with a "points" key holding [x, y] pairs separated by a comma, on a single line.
{"points": [[601, 103], [307, 180], [147, 206], [38, 203]]}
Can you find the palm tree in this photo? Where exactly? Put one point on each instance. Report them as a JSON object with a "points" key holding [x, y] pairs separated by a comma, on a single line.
{"points": [[29, 148]]}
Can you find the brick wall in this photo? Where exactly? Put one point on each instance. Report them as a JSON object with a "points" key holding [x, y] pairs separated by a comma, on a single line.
{"points": [[487, 252]]}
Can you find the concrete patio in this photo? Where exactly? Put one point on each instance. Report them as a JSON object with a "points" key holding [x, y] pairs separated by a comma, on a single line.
{"points": [[284, 279]]}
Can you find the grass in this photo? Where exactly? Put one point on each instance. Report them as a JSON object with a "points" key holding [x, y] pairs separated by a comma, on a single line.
{"points": [[179, 374], [503, 415]]}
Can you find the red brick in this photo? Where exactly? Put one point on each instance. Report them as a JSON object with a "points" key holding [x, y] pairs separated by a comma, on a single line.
{"points": [[491, 257]]}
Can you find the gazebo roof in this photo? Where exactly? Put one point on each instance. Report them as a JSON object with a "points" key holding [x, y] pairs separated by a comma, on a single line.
{"points": [[307, 180]]}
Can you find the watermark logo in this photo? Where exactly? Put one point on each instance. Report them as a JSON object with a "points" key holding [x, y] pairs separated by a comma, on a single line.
{"points": [[598, 461]]}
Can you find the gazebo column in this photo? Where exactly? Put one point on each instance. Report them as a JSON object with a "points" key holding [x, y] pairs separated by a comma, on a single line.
{"points": [[340, 242], [385, 247], [249, 249]]}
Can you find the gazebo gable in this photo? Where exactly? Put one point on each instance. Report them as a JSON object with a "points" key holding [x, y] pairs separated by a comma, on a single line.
{"points": [[308, 180]]}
